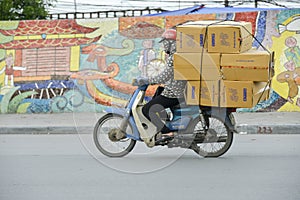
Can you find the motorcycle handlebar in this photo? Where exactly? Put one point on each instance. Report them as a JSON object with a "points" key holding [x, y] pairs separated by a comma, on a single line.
{"points": [[140, 81]]}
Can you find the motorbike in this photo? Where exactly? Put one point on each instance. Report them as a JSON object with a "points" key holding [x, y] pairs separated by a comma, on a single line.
{"points": [[208, 131]]}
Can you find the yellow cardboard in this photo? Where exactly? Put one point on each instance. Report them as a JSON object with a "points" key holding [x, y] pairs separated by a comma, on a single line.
{"points": [[192, 36], [251, 65], [209, 93], [197, 66], [222, 93], [261, 91], [190, 39], [214, 36], [193, 74], [242, 94], [230, 37], [236, 94]]}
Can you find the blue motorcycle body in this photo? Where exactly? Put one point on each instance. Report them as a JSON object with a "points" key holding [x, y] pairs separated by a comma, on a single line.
{"points": [[194, 125]]}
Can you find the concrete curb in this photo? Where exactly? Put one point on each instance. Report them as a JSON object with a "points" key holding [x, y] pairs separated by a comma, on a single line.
{"points": [[268, 129], [57, 123], [71, 123], [268, 123], [47, 130]]}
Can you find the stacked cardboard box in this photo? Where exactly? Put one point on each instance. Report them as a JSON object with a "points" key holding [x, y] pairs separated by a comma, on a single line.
{"points": [[222, 69], [214, 37], [224, 93], [189, 66], [251, 65]]}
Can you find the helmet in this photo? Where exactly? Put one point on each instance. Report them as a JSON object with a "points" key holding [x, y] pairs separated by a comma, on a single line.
{"points": [[169, 34]]}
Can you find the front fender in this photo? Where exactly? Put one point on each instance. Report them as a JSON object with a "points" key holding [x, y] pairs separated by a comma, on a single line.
{"points": [[122, 111]]}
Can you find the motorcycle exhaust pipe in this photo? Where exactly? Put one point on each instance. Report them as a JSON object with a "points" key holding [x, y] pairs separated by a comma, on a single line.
{"points": [[187, 136], [192, 137]]}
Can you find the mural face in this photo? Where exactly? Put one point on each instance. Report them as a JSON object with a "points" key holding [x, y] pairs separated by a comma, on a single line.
{"points": [[88, 64]]}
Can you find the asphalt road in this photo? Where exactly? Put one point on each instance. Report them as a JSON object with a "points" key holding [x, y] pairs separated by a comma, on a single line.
{"points": [[47, 167]]}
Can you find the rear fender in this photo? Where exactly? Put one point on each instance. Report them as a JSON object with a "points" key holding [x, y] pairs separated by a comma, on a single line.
{"points": [[223, 114]]}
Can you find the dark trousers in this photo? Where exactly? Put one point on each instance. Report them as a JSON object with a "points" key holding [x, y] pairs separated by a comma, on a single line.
{"points": [[152, 111]]}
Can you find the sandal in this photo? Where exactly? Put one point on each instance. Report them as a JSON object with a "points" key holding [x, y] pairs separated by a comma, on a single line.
{"points": [[163, 138]]}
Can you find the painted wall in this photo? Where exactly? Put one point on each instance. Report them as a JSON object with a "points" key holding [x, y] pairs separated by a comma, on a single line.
{"points": [[86, 65]]}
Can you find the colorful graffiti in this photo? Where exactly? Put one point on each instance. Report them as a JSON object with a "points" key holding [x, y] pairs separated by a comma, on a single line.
{"points": [[85, 65], [287, 77]]}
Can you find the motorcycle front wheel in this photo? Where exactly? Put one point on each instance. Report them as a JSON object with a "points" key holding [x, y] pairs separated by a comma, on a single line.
{"points": [[104, 144], [213, 142]]}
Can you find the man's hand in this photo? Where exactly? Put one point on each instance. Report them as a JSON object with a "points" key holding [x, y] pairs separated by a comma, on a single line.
{"points": [[139, 81]]}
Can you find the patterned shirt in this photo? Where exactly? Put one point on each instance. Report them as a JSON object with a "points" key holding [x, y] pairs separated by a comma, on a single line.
{"points": [[172, 88]]}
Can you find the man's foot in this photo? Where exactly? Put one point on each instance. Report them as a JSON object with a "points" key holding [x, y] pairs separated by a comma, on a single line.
{"points": [[163, 138]]}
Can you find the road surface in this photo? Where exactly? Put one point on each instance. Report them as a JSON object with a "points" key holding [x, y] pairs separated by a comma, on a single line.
{"points": [[48, 167]]}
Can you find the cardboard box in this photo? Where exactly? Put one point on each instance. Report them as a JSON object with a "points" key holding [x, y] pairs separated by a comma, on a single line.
{"points": [[192, 36], [252, 65], [190, 66], [242, 94], [230, 37], [209, 93], [261, 92], [214, 36], [222, 93]]}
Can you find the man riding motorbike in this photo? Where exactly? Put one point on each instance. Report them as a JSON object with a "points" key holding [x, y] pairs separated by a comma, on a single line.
{"points": [[172, 94]]}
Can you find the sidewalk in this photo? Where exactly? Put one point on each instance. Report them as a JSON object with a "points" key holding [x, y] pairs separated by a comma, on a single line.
{"points": [[268, 123], [69, 123]]}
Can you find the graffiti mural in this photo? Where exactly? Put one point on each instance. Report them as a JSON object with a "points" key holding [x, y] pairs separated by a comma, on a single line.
{"points": [[287, 78], [85, 65], [37, 58]]}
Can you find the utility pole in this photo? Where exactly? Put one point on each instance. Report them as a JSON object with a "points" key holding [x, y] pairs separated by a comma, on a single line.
{"points": [[255, 3], [226, 3], [75, 5]]}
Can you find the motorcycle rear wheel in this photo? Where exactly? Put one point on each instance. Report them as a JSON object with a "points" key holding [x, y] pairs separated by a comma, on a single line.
{"points": [[102, 141], [216, 141]]}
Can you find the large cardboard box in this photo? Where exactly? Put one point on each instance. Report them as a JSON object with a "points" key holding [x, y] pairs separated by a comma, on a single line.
{"points": [[230, 37], [242, 94], [252, 65], [236, 94], [209, 93], [222, 93], [197, 66], [192, 37], [214, 36]]}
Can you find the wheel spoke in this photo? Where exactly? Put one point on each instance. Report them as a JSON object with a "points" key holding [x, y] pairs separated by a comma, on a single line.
{"points": [[107, 145], [217, 140]]}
